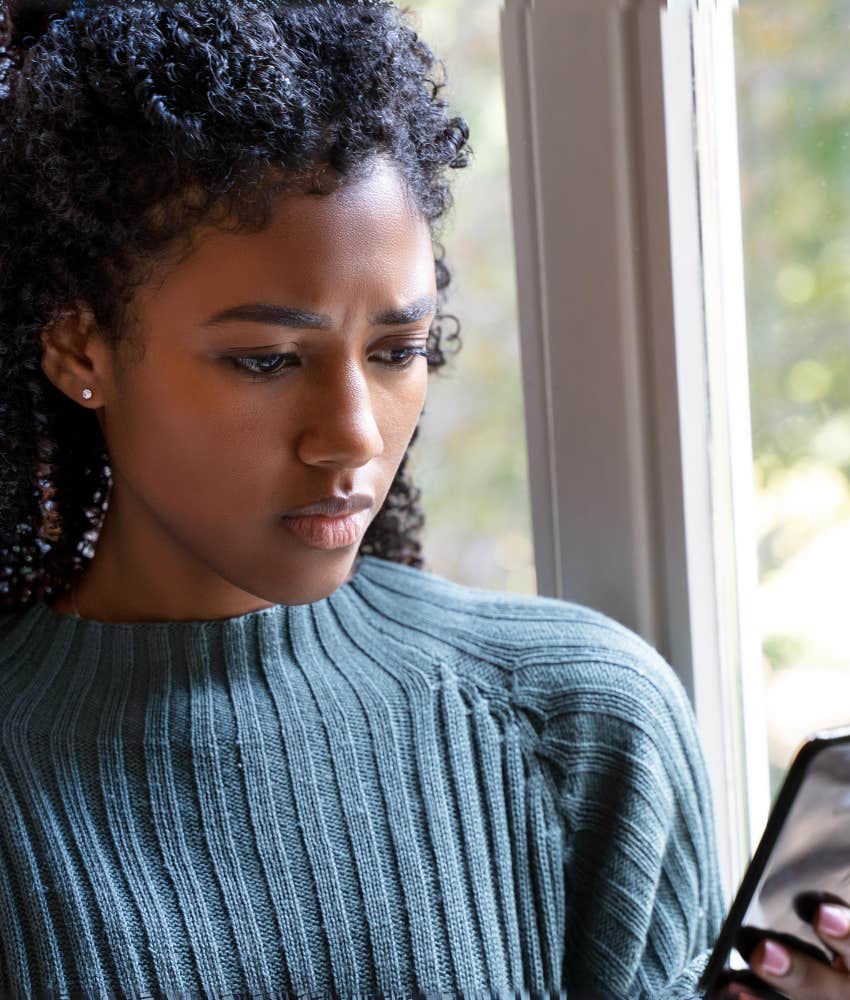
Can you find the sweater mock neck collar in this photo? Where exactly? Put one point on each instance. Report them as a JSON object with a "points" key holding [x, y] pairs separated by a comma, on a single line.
{"points": [[41, 648]]}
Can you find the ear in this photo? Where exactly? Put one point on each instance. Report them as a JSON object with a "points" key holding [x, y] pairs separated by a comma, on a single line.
{"points": [[73, 356]]}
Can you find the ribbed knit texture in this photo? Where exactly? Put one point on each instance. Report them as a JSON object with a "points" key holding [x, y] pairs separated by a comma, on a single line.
{"points": [[409, 787]]}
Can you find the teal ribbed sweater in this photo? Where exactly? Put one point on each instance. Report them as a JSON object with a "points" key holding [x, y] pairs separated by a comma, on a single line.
{"points": [[411, 786]]}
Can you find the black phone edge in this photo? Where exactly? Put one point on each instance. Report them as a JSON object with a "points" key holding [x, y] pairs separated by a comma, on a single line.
{"points": [[778, 814]]}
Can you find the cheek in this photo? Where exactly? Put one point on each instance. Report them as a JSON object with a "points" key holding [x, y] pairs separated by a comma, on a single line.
{"points": [[198, 452], [397, 416], [183, 440]]}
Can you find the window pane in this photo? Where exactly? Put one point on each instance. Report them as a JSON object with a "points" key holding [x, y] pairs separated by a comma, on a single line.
{"points": [[470, 458], [793, 81]]}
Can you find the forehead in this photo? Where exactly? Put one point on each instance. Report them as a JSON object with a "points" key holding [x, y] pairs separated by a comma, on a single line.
{"points": [[364, 238]]}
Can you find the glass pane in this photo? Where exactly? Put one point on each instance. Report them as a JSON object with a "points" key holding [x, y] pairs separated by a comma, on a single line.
{"points": [[470, 458], [793, 79]]}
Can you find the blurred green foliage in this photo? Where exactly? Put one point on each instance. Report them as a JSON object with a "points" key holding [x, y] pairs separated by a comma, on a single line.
{"points": [[793, 80], [783, 650]]}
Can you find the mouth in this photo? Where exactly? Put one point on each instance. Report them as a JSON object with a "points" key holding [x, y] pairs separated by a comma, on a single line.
{"points": [[334, 506], [323, 532]]}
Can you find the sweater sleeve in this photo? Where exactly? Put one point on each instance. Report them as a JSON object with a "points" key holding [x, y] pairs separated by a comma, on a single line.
{"points": [[617, 735]]}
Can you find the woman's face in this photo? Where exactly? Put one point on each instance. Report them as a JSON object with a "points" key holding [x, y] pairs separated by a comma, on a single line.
{"points": [[208, 451]]}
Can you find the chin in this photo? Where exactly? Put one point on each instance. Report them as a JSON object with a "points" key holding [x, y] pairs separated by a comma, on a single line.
{"points": [[307, 584]]}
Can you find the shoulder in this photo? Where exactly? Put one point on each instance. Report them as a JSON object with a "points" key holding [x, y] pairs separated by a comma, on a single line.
{"points": [[524, 622], [611, 745], [562, 664]]}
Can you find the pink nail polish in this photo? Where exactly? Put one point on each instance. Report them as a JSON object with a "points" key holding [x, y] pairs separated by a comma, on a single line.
{"points": [[775, 959], [738, 992], [833, 920]]}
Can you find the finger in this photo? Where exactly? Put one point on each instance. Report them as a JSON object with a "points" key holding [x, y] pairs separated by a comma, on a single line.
{"points": [[805, 904], [732, 982], [797, 975], [749, 936], [832, 925], [736, 991]]}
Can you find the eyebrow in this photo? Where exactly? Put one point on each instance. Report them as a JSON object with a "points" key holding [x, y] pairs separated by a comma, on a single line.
{"points": [[299, 319]]}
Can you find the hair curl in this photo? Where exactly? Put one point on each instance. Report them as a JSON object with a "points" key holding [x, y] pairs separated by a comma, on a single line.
{"points": [[123, 126]]}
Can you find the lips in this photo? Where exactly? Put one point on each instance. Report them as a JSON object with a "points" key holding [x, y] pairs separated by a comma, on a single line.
{"points": [[337, 505], [329, 532]]}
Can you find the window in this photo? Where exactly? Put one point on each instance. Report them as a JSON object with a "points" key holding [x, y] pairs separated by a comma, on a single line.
{"points": [[794, 125], [627, 217], [473, 429]]}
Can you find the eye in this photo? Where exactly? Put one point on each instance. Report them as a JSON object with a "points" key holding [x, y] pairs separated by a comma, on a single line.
{"points": [[271, 365], [408, 354], [256, 365]]}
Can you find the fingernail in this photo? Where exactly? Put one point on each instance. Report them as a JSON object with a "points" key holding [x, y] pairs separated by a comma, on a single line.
{"points": [[774, 959], [833, 920], [737, 992]]}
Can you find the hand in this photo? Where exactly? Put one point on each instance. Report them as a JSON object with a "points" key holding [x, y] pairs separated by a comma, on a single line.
{"points": [[796, 974]]}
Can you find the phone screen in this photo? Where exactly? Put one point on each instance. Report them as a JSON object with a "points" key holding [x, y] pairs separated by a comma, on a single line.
{"points": [[805, 848]]}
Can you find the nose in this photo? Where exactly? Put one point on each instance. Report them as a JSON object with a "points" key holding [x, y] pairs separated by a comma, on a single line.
{"points": [[339, 426]]}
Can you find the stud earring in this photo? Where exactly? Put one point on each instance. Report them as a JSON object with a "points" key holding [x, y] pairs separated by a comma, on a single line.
{"points": [[87, 394]]}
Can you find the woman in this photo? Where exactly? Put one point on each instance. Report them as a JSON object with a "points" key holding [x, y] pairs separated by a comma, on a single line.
{"points": [[245, 748]]}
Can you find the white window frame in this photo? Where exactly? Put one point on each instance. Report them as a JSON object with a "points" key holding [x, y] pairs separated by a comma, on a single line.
{"points": [[626, 210]]}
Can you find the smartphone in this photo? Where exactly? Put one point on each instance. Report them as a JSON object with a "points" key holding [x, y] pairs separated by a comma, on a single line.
{"points": [[803, 857]]}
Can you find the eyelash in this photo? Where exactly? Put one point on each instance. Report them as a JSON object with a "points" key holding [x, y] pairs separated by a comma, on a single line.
{"points": [[264, 376]]}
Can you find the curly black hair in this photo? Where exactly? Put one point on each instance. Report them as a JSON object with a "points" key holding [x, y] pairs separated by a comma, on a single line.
{"points": [[123, 126]]}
